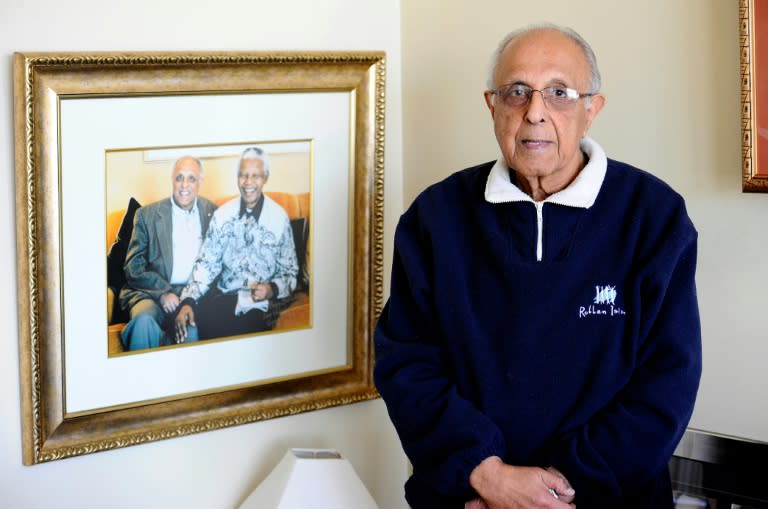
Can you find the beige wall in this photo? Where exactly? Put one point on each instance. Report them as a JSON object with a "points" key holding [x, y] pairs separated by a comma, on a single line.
{"points": [[216, 469], [671, 77]]}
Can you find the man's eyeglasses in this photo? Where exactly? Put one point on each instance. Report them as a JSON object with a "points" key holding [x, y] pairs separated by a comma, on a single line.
{"points": [[516, 95]]}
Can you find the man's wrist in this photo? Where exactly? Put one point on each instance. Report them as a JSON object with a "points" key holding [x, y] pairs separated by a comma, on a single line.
{"points": [[484, 473]]}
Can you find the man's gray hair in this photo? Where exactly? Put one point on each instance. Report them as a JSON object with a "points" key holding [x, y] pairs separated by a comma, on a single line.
{"points": [[594, 72], [255, 153], [195, 159]]}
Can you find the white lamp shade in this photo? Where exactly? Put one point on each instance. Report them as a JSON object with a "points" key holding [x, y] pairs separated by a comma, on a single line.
{"points": [[311, 478]]}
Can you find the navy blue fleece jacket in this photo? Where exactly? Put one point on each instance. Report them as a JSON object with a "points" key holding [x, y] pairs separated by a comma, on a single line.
{"points": [[568, 339]]}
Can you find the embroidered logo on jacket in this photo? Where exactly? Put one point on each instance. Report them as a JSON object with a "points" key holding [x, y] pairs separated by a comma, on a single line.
{"points": [[603, 304], [605, 295]]}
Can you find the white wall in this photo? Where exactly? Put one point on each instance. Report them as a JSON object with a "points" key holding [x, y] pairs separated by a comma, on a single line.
{"points": [[215, 469], [671, 77]]}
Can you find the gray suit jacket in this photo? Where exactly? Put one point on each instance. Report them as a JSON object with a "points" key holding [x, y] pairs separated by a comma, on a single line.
{"points": [[149, 262]]}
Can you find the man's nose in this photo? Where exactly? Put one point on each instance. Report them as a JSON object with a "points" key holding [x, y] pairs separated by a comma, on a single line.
{"points": [[536, 108]]}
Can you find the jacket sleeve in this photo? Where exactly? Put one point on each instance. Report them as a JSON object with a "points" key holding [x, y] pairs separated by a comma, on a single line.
{"points": [[287, 266], [139, 273], [622, 449], [443, 434]]}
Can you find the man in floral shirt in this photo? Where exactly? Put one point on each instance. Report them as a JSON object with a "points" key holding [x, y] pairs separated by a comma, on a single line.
{"points": [[250, 256]]}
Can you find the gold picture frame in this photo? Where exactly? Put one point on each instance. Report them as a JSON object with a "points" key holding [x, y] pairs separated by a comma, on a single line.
{"points": [[60, 305], [754, 69]]}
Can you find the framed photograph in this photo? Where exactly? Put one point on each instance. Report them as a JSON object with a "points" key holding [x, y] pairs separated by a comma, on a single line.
{"points": [[138, 257], [104, 142], [754, 95]]}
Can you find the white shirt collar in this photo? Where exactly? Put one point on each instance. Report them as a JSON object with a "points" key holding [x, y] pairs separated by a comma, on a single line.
{"points": [[582, 192], [178, 210]]}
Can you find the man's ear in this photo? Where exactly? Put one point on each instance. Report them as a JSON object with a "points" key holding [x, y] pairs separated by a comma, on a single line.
{"points": [[489, 98], [597, 102]]}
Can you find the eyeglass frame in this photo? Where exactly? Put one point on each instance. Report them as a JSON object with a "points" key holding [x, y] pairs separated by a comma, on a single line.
{"points": [[573, 94]]}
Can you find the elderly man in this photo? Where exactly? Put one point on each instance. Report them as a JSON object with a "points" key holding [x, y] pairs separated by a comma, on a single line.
{"points": [[249, 252], [166, 239], [541, 344]]}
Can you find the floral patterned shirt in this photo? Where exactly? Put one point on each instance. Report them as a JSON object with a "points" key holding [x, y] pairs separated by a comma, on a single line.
{"points": [[243, 250]]}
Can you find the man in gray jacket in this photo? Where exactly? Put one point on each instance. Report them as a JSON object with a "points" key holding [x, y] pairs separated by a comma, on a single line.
{"points": [[165, 242]]}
